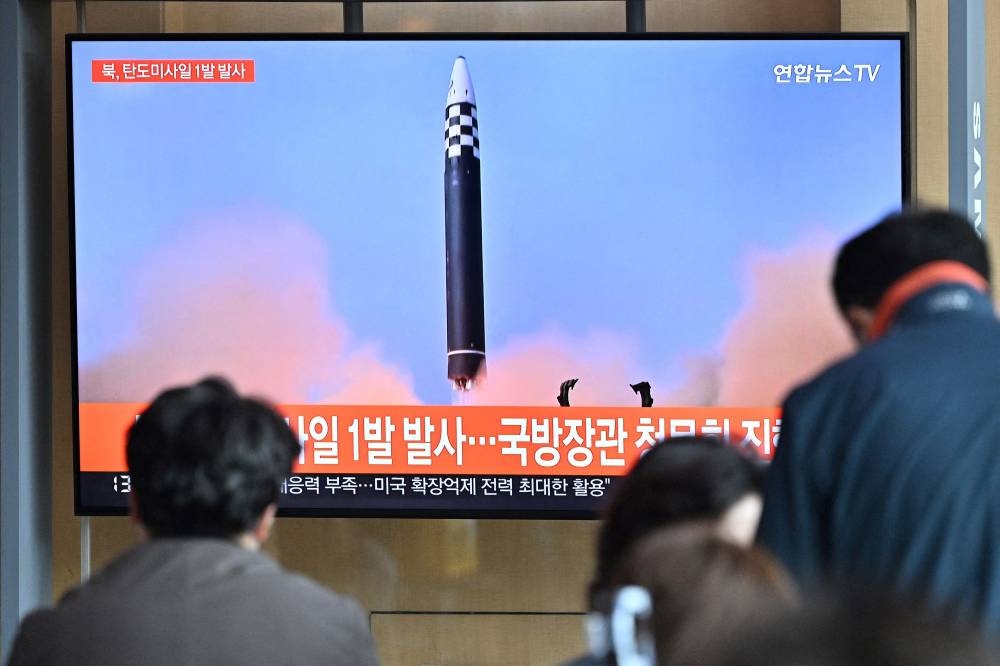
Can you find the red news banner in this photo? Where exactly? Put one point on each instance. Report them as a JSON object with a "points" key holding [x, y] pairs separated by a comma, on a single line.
{"points": [[374, 439], [171, 71]]}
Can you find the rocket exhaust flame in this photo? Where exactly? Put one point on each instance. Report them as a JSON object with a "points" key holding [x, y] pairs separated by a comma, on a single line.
{"points": [[463, 230]]}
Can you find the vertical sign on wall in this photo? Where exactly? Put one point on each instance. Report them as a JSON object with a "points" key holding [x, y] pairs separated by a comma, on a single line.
{"points": [[967, 117]]}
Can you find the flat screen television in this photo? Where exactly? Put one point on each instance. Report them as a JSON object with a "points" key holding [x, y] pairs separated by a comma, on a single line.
{"points": [[422, 248]]}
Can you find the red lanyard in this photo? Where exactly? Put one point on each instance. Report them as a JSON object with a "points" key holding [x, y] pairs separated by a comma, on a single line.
{"points": [[916, 282]]}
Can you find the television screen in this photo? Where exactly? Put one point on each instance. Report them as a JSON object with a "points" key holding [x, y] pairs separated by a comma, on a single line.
{"points": [[479, 275]]}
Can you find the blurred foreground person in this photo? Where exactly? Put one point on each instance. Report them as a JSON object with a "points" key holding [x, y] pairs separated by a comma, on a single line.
{"points": [[678, 481], [851, 632], [701, 591], [206, 468], [888, 471]]}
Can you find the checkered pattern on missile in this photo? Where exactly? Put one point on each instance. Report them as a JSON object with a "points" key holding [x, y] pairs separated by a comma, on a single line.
{"points": [[461, 130]]}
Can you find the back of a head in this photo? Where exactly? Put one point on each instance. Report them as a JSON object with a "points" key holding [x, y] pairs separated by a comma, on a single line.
{"points": [[678, 480], [205, 461], [868, 264], [703, 588], [855, 630]]}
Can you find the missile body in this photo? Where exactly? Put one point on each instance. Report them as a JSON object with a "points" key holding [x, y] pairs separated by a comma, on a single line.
{"points": [[463, 231]]}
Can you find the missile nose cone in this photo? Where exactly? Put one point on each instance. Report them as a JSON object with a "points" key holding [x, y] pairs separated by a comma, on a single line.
{"points": [[460, 89]]}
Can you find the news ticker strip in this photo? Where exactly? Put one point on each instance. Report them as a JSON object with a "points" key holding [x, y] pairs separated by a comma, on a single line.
{"points": [[377, 439], [391, 493]]}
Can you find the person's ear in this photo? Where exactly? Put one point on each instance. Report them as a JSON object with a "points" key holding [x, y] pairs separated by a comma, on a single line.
{"points": [[262, 530], [860, 320], [739, 522]]}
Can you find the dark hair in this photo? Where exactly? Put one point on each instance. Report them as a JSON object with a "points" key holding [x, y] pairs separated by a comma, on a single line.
{"points": [[678, 479], [205, 461], [872, 261], [856, 630], [704, 588]]}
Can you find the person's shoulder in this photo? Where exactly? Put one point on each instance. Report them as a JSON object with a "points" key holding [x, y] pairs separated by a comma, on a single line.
{"points": [[34, 636], [326, 622], [343, 622], [844, 391], [306, 588], [832, 379], [314, 599], [878, 366]]}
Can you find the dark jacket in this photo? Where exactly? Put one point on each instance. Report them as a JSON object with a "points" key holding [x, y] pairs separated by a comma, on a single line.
{"points": [[196, 601], [887, 471]]}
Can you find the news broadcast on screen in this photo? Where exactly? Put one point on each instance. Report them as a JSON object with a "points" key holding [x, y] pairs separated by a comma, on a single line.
{"points": [[480, 276]]}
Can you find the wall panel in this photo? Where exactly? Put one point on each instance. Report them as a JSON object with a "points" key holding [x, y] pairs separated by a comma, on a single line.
{"points": [[564, 15], [453, 640], [743, 15], [992, 166], [877, 15], [929, 31], [251, 16]]}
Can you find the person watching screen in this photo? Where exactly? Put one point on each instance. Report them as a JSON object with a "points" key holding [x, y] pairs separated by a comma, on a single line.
{"points": [[679, 480], [702, 590], [206, 467], [886, 476]]}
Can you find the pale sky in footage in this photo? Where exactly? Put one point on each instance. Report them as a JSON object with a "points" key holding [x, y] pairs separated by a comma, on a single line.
{"points": [[624, 183]]}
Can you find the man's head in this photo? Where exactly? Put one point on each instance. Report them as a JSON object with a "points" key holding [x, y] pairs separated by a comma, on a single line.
{"points": [[205, 461], [871, 262]]}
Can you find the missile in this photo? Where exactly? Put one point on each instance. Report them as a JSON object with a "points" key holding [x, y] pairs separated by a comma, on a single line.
{"points": [[463, 232]]}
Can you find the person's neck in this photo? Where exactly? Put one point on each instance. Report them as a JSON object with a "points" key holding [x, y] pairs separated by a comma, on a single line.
{"points": [[247, 541]]}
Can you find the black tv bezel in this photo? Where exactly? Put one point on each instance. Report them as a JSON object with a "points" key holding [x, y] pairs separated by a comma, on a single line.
{"points": [[902, 38]]}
